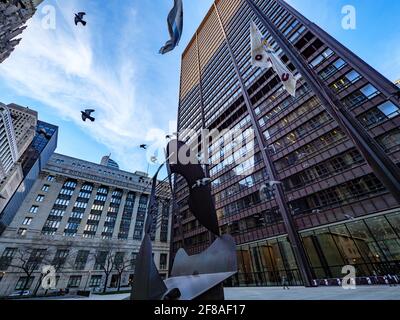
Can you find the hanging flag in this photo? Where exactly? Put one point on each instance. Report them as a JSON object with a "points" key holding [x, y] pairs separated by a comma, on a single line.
{"points": [[263, 56], [259, 57], [288, 79], [175, 27]]}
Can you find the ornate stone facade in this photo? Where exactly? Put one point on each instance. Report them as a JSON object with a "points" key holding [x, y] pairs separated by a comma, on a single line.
{"points": [[12, 24]]}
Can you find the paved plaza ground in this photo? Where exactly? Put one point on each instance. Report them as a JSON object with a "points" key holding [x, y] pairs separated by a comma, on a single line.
{"points": [[294, 293]]}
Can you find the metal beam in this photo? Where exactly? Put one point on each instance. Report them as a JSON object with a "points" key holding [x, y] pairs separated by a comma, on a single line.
{"points": [[294, 238]]}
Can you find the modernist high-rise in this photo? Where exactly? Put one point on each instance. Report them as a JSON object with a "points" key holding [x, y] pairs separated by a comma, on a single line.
{"points": [[17, 131], [13, 17], [87, 215], [331, 209]]}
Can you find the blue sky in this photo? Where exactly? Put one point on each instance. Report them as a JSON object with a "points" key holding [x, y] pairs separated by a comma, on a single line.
{"points": [[113, 65]]}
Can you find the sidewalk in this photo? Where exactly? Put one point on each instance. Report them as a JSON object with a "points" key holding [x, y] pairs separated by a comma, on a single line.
{"points": [[294, 293]]}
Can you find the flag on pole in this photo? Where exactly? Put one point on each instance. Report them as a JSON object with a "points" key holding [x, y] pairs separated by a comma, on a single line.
{"points": [[264, 57], [175, 27], [259, 55]]}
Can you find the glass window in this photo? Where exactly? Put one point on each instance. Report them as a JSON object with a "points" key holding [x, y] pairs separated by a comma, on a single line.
{"points": [[347, 247], [365, 242], [369, 90], [23, 283], [95, 281], [312, 253], [380, 228], [352, 75], [21, 231], [34, 209], [327, 243], [386, 237], [163, 261], [394, 220], [74, 281], [389, 109], [390, 141], [27, 221], [339, 63]]}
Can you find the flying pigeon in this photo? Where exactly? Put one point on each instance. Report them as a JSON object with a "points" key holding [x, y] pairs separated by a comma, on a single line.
{"points": [[44, 133], [201, 182], [153, 159], [143, 146], [79, 18], [87, 115]]}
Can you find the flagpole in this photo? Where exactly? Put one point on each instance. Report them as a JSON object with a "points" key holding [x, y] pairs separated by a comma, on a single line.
{"points": [[383, 167]]}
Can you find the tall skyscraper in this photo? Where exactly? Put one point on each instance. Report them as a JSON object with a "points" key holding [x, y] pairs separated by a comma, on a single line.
{"points": [[18, 128], [84, 211], [24, 123], [12, 23], [28, 167], [108, 162], [8, 144], [330, 209]]}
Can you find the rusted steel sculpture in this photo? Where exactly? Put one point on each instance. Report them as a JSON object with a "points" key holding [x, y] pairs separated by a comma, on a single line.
{"points": [[192, 277]]}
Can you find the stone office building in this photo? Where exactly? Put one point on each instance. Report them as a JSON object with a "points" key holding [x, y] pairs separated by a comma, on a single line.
{"points": [[79, 217], [13, 18], [342, 214]]}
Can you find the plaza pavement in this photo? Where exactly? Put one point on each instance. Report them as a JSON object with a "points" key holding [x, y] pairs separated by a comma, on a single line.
{"points": [[294, 293]]}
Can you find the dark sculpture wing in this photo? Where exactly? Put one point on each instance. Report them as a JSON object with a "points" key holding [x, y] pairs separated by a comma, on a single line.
{"points": [[200, 201]]}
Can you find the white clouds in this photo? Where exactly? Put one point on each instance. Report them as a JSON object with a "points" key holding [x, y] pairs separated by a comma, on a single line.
{"points": [[67, 70], [111, 65]]}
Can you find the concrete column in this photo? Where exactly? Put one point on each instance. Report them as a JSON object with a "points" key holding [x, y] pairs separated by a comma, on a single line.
{"points": [[119, 215], [134, 215]]}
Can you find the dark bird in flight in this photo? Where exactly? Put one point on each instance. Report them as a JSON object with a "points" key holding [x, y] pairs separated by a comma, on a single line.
{"points": [[201, 183], [153, 159], [79, 18], [143, 146], [87, 115], [44, 133]]}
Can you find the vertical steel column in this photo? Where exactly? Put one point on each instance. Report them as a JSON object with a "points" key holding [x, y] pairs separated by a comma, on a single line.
{"points": [[294, 238], [383, 167], [211, 236]]}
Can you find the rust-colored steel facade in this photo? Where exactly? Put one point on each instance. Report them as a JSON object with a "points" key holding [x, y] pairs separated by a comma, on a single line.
{"points": [[340, 213]]}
